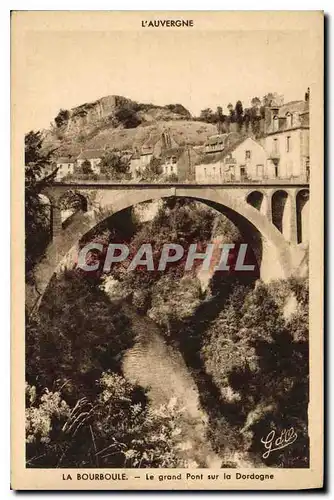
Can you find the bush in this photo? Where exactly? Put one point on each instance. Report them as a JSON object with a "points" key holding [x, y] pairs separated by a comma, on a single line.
{"points": [[117, 429], [128, 117], [260, 366]]}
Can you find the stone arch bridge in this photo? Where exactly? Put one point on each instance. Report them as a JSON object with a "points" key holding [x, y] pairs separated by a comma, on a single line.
{"points": [[272, 217]]}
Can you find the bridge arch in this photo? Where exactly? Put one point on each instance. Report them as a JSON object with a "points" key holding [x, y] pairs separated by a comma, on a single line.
{"points": [[275, 259], [255, 198]]}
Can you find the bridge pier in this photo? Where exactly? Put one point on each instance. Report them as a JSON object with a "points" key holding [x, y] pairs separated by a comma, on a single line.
{"points": [[56, 223], [293, 219]]}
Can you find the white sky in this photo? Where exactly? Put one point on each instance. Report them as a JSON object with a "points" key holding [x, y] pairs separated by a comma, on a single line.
{"points": [[197, 69]]}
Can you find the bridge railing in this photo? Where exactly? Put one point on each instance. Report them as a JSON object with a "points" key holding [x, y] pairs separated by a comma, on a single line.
{"points": [[106, 179]]}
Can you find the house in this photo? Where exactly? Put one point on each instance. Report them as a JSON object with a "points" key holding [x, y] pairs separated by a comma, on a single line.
{"points": [[94, 157], [245, 159], [139, 160], [154, 147], [219, 142], [65, 166], [180, 162], [287, 139]]}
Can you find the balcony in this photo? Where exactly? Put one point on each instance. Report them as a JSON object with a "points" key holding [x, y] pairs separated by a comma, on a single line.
{"points": [[274, 155]]}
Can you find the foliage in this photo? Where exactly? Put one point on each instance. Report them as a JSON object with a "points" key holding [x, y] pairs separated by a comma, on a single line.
{"points": [[260, 366], [78, 334], [172, 178], [114, 165], [177, 221], [178, 109], [86, 168], [128, 117], [207, 115], [239, 114], [62, 117], [37, 212], [247, 119], [174, 300], [152, 171], [117, 429]]}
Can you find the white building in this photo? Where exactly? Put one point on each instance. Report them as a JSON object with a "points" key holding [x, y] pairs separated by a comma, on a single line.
{"points": [[65, 166], [287, 140], [245, 160], [140, 160]]}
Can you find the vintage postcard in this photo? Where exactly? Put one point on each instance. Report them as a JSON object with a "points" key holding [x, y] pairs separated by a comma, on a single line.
{"points": [[167, 250]]}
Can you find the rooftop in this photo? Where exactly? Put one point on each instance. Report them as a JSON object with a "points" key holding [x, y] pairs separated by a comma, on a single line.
{"points": [[90, 154], [66, 159], [215, 157], [293, 107]]}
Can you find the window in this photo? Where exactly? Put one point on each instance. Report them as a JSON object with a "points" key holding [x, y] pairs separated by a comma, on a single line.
{"points": [[171, 168], [289, 120], [275, 123], [288, 144], [174, 159], [248, 155], [307, 168], [260, 171], [275, 145]]}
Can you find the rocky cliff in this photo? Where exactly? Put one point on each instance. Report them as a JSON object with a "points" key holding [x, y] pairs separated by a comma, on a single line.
{"points": [[121, 123]]}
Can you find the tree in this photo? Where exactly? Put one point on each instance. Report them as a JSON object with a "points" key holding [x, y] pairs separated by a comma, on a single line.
{"points": [[269, 99], [239, 115], [72, 342], [232, 112], [114, 165], [247, 119], [207, 115], [220, 113], [128, 117], [152, 171], [37, 212], [86, 168], [62, 117], [255, 102], [220, 119]]}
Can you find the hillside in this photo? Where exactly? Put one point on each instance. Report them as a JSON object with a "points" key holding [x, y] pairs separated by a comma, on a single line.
{"points": [[119, 123]]}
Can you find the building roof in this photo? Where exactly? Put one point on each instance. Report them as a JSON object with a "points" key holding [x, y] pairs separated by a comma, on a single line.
{"points": [[216, 139], [135, 156], [293, 107], [168, 153], [65, 159], [146, 150], [90, 154], [216, 157]]}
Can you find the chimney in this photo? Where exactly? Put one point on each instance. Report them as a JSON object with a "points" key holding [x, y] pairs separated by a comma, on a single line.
{"points": [[307, 95]]}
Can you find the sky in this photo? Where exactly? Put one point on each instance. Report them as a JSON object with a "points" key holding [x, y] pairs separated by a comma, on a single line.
{"points": [[198, 69]]}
